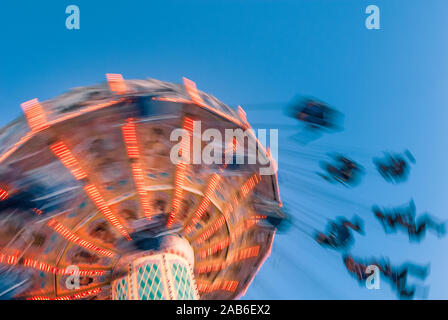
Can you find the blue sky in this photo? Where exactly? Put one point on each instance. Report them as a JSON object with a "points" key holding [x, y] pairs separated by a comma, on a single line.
{"points": [[389, 83]]}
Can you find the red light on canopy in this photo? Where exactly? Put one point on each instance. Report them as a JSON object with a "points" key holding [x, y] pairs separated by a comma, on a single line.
{"points": [[76, 296], [192, 91], [225, 242], [96, 197], [68, 160], [224, 285], [42, 266], [246, 188], [116, 83], [70, 236], [34, 114], [3, 194], [179, 178], [130, 139], [8, 259], [211, 187], [243, 254]]}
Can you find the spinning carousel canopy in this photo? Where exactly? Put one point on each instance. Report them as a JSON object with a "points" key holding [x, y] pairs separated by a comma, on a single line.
{"points": [[92, 207]]}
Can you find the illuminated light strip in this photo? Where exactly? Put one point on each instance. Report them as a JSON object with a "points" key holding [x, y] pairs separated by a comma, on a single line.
{"points": [[30, 134], [116, 83], [224, 285], [35, 115], [177, 252], [68, 160], [130, 139], [42, 266], [96, 197], [12, 260], [179, 178], [215, 248], [3, 194], [210, 231], [214, 180], [231, 147], [84, 272], [70, 236], [243, 254], [140, 183], [77, 296], [178, 192], [188, 125], [249, 223], [234, 144], [248, 186], [238, 231], [192, 91]]}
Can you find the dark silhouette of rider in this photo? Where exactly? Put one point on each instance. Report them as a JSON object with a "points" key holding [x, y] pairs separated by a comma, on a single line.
{"points": [[394, 168], [405, 219], [344, 170], [395, 275], [338, 234]]}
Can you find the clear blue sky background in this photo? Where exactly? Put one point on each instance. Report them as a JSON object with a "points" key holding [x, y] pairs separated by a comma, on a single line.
{"points": [[389, 83]]}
